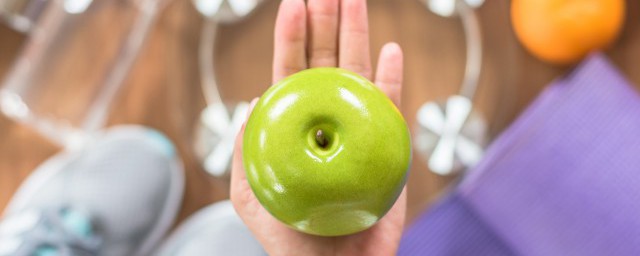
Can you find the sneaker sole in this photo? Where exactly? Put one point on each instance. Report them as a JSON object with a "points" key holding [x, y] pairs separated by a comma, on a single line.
{"points": [[51, 167]]}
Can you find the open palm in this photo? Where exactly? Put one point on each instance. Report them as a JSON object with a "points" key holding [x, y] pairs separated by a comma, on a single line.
{"points": [[323, 33]]}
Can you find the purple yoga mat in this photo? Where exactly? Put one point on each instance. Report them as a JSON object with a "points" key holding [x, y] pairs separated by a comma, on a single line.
{"points": [[564, 179], [452, 228]]}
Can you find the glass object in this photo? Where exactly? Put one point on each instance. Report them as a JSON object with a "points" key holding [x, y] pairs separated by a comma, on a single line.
{"points": [[219, 123], [451, 134], [22, 15], [447, 8], [72, 65]]}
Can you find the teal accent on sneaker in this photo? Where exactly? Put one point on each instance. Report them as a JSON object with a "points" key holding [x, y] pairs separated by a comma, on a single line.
{"points": [[78, 222], [163, 142], [47, 251]]}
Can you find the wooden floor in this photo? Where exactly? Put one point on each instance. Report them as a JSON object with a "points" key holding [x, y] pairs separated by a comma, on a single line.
{"points": [[163, 88]]}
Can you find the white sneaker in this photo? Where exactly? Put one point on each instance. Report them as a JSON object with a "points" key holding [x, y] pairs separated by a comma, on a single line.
{"points": [[117, 196], [214, 230]]}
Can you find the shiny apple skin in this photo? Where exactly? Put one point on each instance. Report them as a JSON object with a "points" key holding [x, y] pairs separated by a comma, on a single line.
{"points": [[344, 187]]}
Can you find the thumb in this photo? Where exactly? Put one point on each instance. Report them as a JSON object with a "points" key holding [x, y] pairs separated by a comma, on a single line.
{"points": [[239, 182]]}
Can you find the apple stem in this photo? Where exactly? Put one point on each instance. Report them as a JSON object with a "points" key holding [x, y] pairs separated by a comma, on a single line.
{"points": [[321, 139]]}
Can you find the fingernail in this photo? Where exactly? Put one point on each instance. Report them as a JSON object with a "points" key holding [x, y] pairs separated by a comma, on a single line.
{"points": [[392, 47]]}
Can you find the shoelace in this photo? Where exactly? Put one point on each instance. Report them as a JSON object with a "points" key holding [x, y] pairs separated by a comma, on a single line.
{"points": [[30, 233]]}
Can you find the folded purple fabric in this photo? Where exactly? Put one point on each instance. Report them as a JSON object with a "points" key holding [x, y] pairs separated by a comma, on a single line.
{"points": [[451, 228], [564, 179]]}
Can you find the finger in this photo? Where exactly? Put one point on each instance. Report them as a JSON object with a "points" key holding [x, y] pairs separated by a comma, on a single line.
{"points": [[354, 37], [238, 177], [400, 207], [290, 35], [392, 223], [323, 32], [396, 218], [239, 185], [390, 71], [251, 106]]}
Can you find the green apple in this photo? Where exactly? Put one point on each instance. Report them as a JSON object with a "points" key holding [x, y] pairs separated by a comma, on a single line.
{"points": [[326, 152]]}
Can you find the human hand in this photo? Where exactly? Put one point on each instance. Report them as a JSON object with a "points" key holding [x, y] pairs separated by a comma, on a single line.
{"points": [[324, 33]]}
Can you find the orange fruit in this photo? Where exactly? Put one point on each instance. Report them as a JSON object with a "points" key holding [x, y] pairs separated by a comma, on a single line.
{"points": [[564, 31]]}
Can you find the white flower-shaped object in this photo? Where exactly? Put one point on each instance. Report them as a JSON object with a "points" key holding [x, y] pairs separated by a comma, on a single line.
{"points": [[216, 134], [226, 11], [451, 136]]}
